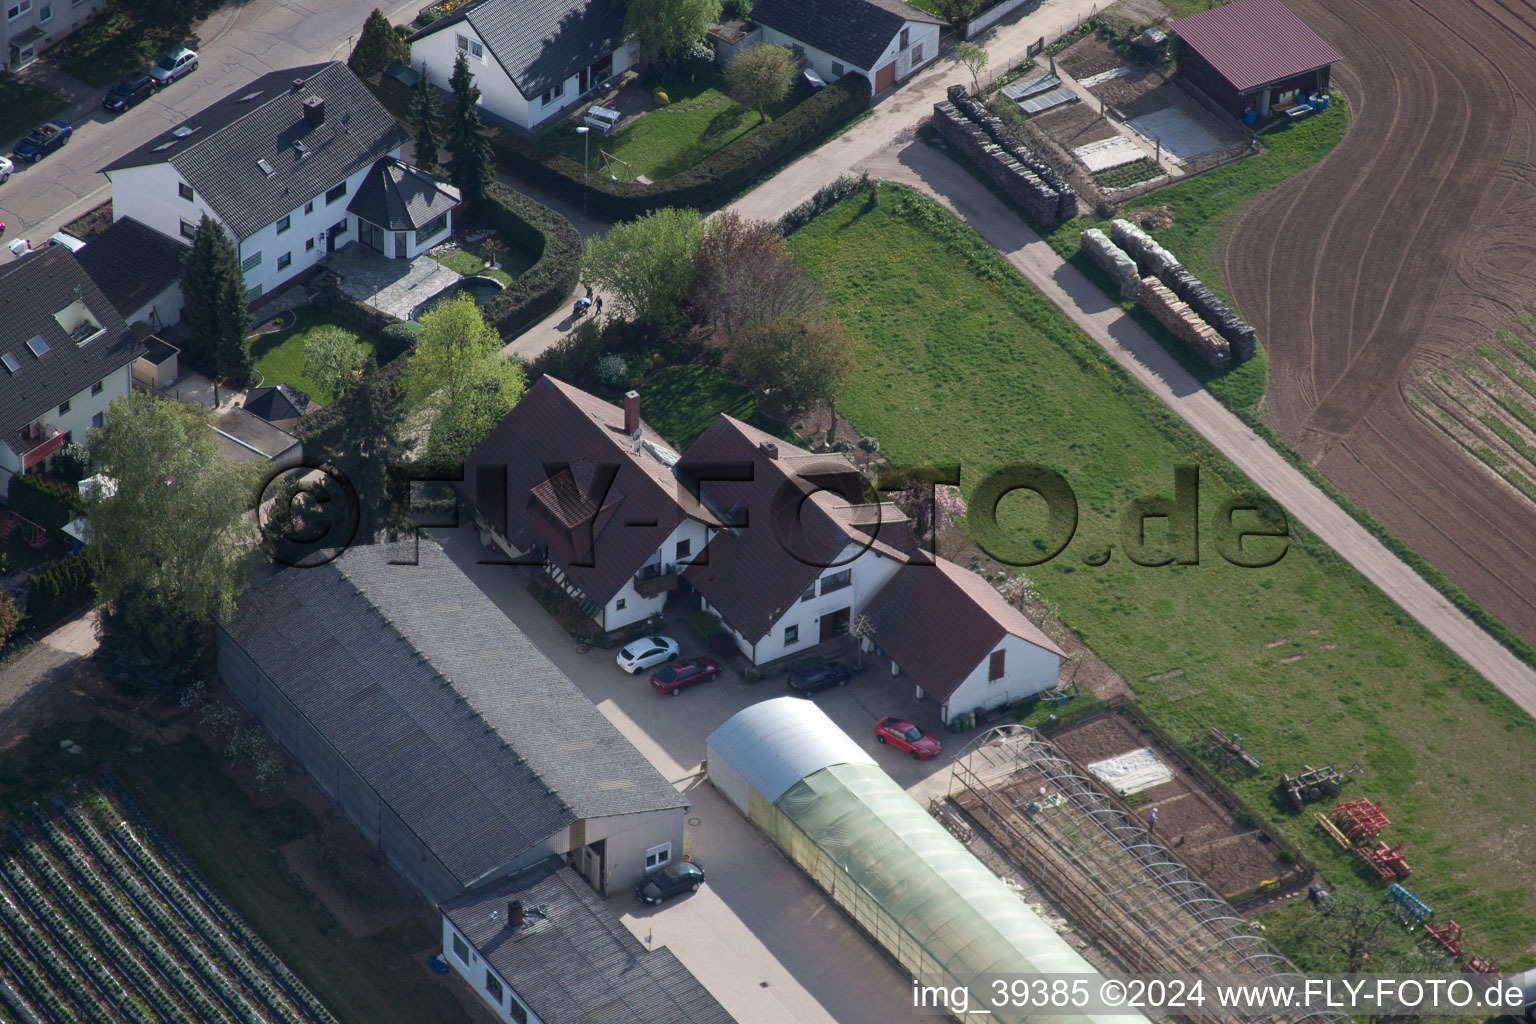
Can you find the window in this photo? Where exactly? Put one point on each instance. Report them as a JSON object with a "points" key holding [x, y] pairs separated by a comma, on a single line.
{"points": [[904, 38], [252, 261], [684, 548], [461, 41], [64, 409], [545, 98], [461, 949], [791, 635], [837, 69], [96, 388], [96, 420], [518, 1010], [253, 293], [309, 207], [618, 605], [435, 226], [810, 592], [284, 223], [493, 987], [837, 581], [309, 243], [185, 191], [995, 666], [335, 193], [656, 856], [284, 260], [340, 227], [917, 54], [45, 14], [17, 8], [470, 46], [188, 229], [559, 90]]}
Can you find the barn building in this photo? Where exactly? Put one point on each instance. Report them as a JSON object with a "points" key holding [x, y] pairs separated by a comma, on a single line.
{"points": [[909, 884], [446, 736], [1253, 55]]}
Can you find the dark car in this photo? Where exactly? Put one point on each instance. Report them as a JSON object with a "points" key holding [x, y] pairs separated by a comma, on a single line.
{"points": [[684, 876], [821, 676], [42, 140], [130, 92], [676, 676]]}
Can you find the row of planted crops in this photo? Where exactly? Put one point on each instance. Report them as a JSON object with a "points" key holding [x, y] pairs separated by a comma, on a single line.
{"points": [[102, 921]]}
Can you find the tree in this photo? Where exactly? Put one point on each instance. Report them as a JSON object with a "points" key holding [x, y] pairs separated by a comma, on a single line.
{"points": [[861, 628], [372, 422], [169, 547], [797, 361], [213, 290], [458, 370], [492, 250], [975, 60], [378, 46], [470, 168], [761, 75], [664, 31], [332, 356], [645, 266], [956, 11], [744, 273], [428, 114]]}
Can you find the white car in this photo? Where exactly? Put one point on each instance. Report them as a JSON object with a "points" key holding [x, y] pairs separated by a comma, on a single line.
{"points": [[6, 167], [647, 652], [69, 242]]}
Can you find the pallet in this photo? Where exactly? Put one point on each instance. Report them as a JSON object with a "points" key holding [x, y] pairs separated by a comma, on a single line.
{"points": [[1332, 830]]}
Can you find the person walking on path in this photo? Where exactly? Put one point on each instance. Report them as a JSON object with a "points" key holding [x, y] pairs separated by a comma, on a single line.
{"points": [[1152, 819], [589, 291], [599, 305]]}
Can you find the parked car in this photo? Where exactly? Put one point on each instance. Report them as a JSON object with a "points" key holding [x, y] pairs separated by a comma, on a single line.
{"points": [[176, 64], [903, 735], [69, 242], [647, 652], [684, 876], [820, 676], [676, 676], [130, 92], [42, 140], [6, 167]]}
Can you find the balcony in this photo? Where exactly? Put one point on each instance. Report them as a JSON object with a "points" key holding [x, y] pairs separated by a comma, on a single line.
{"points": [[653, 580], [44, 441]]}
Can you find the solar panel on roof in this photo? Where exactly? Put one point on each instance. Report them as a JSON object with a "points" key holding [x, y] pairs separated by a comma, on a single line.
{"points": [[10, 362], [38, 346]]}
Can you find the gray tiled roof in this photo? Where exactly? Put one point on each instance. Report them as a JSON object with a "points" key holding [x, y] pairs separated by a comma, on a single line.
{"points": [[541, 43], [246, 437], [399, 197], [574, 962], [443, 706], [857, 31], [32, 289], [262, 121], [132, 263]]}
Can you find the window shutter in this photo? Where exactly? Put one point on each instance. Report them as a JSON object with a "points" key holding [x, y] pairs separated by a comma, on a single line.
{"points": [[995, 668]]}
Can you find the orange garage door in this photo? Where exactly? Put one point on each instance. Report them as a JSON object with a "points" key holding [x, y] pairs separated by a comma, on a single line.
{"points": [[885, 77]]}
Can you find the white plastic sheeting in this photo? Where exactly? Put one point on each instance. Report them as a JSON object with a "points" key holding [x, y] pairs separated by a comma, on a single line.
{"points": [[1152, 258], [1106, 153], [1113, 261], [1183, 137], [775, 744], [1133, 772]]}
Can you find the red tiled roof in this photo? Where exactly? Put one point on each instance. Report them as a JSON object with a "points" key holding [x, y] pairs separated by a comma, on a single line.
{"points": [[938, 621], [1254, 42]]}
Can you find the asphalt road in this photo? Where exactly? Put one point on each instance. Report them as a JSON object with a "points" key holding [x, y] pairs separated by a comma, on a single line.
{"points": [[236, 44]]}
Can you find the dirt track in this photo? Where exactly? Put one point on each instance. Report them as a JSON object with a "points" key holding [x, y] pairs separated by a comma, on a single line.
{"points": [[1412, 239]]}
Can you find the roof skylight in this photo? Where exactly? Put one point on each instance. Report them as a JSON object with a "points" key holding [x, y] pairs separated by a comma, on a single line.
{"points": [[38, 346], [11, 365]]}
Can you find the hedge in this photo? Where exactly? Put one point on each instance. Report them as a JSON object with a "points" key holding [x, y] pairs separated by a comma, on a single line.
{"points": [[46, 503], [59, 590], [703, 186], [528, 224]]}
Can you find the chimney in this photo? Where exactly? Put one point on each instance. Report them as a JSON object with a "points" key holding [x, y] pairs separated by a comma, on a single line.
{"points": [[514, 913], [770, 449], [314, 111], [298, 83], [631, 412]]}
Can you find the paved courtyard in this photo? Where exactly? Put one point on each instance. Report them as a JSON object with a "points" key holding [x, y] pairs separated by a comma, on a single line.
{"points": [[396, 287]]}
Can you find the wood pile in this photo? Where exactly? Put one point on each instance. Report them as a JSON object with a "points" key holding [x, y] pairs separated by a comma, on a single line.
{"points": [[953, 119], [1155, 261], [1184, 323]]}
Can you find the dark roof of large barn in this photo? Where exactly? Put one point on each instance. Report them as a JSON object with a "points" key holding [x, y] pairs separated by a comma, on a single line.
{"points": [[32, 290], [1254, 42], [938, 621], [446, 709], [132, 263], [572, 960], [540, 43], [219, 150], [857, 31]]}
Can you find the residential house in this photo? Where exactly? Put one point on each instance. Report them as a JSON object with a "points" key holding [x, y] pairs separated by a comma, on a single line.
{"points": [[246, 437], [139, 271], [31, 26], [440, 729], [885, 41], [958, 639], [281, 163], [530, 60], [586, 489], [65, 354]]}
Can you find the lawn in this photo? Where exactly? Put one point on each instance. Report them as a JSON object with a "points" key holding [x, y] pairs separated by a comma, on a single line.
{"points": [[681, 401], [23, 107], [470, 260], [279, 356], [236, 845], [115, 43], [958, 358], [701, 119]]}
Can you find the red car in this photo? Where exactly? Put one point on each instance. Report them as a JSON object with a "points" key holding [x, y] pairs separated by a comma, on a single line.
{"points": [[676, 676], [903, 735]]}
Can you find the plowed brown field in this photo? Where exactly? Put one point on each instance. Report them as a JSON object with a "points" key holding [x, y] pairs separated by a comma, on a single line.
{"points": [[1413, 239]]}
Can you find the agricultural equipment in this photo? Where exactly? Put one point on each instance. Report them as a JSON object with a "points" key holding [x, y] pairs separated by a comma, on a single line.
{"points": [[1409, 907], [1360, 819], [1226, 750], [1480, 965], [1385, 861], [1448, 935], [1311, 784], [1332, 830]]}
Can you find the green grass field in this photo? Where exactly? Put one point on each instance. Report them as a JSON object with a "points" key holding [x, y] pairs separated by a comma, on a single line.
{"points": [[701, 119], [23, 107], [279, 356], [682, 401], [471, 260], [958, 358], [236, 845]]}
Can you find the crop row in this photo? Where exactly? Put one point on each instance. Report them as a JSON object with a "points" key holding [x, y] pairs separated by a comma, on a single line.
{"points": [[40, 998], [65, 974], [128, 905]]}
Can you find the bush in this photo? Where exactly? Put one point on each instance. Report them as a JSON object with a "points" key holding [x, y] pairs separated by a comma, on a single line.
{"points": [[528, 224], [723, 646], [10, 619], [826, 197], [706, 624], [572, 359], [398, 339], [661, 98], [735, 10], [46, 503], [59, 590]]}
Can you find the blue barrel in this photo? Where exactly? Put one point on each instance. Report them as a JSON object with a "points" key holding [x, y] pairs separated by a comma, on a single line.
{"points": [[438, 965], [1249, 117]]}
